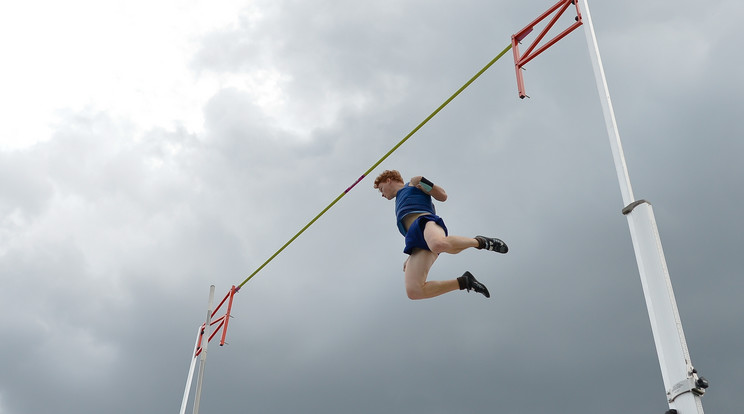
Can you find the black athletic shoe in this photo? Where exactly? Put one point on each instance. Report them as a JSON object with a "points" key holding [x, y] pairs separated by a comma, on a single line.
{"points": [[492, 243], [469, 283]]}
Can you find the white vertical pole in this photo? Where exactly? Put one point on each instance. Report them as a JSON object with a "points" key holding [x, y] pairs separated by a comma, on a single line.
{"points": [[205, 343], [191, 374], [609, 113], [683, 386]]}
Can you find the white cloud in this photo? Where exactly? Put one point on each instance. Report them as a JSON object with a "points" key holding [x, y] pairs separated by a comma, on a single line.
{"points": [[129, 59]]}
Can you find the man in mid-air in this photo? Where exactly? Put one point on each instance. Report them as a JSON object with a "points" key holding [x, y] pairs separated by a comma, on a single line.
{"points": [[427, 236]]}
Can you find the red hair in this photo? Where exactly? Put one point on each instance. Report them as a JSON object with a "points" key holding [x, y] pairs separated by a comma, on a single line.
{"points": [[392, 174]]}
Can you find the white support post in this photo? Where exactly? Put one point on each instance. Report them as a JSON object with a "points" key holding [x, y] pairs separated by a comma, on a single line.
{"points": [[205, 343], [683, 387], [190, 378]]}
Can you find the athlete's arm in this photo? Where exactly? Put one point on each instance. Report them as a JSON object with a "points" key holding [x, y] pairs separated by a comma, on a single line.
{"points": [[436, 191]]}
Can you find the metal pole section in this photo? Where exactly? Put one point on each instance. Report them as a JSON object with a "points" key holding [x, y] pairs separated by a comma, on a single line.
{"points": [[185, 399], [609, 113], [683, 386], [203, 360]]}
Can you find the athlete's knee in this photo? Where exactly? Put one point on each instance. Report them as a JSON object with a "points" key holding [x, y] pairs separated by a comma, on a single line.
{"points": [[414, 292], [440, 245]]}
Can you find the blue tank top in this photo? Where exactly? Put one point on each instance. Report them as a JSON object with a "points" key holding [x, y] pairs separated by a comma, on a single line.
{"points": [[410, 200]]}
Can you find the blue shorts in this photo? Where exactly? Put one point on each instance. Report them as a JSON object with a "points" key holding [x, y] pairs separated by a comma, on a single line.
{"points": [[415, 235]]}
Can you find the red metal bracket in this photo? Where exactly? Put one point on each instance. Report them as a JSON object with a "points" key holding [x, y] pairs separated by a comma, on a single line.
{"points": [[531, 52], [221, 322]]}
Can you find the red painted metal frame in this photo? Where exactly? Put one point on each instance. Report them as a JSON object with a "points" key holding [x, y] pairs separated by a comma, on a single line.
{"points": [[531, 52], [222, 321]]}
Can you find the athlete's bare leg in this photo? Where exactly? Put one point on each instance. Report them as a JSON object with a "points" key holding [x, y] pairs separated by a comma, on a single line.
{"points": [[417, 270], [438, 242]]}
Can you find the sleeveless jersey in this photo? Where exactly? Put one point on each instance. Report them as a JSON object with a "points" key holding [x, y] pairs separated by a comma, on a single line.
{"points": [[410, 200]]}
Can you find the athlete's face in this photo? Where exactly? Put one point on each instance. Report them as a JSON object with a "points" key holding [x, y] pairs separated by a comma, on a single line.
{"points": [[387, 189]]}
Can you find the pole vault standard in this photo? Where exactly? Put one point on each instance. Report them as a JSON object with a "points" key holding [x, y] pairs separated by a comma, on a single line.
{"points": [[203, 337], [683, 386], [203, 362]]}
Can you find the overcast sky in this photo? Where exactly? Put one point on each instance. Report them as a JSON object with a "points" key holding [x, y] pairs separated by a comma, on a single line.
{"points": [[151, 149]]}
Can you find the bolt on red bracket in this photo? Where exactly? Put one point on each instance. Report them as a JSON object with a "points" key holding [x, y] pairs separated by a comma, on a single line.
{"points": [[222, 321], [531, 52]]}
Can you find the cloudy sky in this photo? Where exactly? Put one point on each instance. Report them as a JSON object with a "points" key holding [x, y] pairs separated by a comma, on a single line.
{"points": [[149, 150]]}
